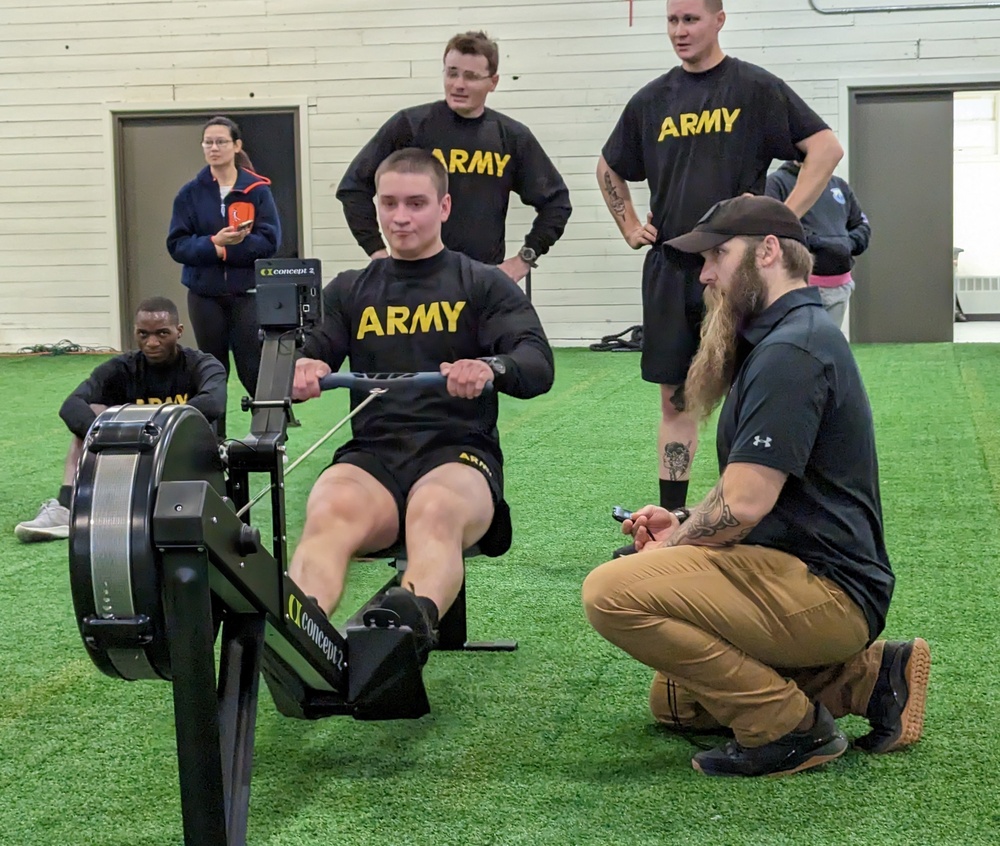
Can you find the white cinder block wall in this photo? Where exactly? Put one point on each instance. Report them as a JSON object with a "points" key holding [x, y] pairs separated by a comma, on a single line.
{"points": [[566, 70]]}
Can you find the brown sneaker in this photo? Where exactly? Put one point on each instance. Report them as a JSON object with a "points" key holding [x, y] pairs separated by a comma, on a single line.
{"points": [[896, 709]]}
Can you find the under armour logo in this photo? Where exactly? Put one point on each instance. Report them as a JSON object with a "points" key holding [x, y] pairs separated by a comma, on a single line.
{"points": [[764, 442]]}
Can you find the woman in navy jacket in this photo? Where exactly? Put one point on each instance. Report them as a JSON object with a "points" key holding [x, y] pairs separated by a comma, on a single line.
{"points": [[223, 221]]}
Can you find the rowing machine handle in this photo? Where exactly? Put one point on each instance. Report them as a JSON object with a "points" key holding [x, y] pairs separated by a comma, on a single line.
{"points": [[367, 381]]}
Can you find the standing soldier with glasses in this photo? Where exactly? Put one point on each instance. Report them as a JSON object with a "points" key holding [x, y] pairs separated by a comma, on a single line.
{"points": [[487, 155]]}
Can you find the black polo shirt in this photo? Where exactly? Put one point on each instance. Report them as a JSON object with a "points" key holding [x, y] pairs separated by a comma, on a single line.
{"points": [[798, 404]]}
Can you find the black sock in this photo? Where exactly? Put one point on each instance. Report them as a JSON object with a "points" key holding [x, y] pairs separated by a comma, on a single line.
{"points": [[65, 495], [430, 609], [673, 494]]}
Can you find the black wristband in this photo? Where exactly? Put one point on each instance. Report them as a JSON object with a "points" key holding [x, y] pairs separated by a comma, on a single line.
{"points": [[681, 514]]}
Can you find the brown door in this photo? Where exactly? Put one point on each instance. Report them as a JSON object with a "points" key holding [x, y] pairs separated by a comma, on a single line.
{"points": [[157, 157], [157, 154]]}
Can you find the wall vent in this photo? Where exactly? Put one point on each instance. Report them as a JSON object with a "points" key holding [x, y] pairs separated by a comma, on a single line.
{"points": [[978, 294]]}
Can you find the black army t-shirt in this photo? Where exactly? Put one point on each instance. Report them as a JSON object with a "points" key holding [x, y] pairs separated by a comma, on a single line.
{"points": [[410, 316], [798, 405], [193, 378], [487, 157], [698, 138]]}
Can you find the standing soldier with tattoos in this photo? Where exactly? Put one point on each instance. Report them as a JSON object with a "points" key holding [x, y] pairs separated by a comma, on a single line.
{"points": [[705, 131], [759, 608]]}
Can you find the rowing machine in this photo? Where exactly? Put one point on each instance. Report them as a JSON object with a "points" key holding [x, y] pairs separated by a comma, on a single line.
{"points": [[163, 555]]}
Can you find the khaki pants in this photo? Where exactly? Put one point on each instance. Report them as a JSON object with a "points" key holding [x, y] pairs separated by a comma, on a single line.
{"points": [[742, 636]]}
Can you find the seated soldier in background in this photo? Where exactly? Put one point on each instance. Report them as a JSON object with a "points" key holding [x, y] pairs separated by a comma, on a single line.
{"points": [[423, 463], [160, 371]]}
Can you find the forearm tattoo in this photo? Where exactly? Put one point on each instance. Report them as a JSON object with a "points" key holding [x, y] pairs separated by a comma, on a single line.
{"points": [[677, 459], [711, 524], [616, 203]]}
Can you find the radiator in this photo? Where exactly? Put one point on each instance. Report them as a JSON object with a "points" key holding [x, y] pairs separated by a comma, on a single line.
{"points": [[978, 294]]}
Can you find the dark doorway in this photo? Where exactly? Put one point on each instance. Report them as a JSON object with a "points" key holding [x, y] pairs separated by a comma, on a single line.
{"points": [[901, 167], [157, 154]]}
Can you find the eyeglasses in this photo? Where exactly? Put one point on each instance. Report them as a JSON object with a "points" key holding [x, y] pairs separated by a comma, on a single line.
{"points": [[468, 76], [223, 142]]}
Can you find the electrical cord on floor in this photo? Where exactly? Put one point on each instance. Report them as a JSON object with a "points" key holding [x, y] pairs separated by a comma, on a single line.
{"points": [[63, 347]]}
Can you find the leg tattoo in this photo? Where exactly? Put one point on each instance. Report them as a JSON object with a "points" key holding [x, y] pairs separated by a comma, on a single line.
{"points": [[676, 459], [677, 399]]}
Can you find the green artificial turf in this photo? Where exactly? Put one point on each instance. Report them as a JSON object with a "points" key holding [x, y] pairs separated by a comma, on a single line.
{"points": [[552, 744]]}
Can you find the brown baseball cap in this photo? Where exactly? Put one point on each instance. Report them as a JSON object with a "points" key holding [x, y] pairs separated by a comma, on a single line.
{"points": [[740, 216]]}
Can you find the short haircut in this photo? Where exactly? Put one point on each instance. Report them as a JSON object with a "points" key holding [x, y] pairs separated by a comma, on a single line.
{"points": [[798, 259], [415, 160], [476, 44], [158, 305], [713, 6], [795, 257]]}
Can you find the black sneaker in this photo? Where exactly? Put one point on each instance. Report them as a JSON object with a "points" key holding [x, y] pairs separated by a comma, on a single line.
{"points": [[624, 550], [797, 750], [896, 709], [417, 612]]}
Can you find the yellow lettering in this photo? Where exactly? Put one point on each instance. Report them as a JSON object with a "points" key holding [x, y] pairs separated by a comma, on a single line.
{"points": [[439, 156], [295, 610], [424, 316], [140, 402], [501, 162], [181, 399], [154, 401], [452, 313], [689, 122], [482, 162], [369, 323], [395, 320], [668, 128], [729, 118], [458, 160], [711, 121]]}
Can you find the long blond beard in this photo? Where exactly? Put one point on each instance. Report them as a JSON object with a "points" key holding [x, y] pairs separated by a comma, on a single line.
{"points": [[711, 371]]}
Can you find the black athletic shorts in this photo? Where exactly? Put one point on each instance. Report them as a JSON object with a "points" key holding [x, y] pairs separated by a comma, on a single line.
{"points": [[398, 473], [672, 310]]}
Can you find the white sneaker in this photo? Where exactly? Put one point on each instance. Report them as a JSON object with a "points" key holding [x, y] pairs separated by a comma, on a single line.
{"points": [[52, 523]]}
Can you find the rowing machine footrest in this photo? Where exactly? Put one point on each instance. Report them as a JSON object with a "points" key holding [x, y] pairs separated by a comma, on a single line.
{"points": [[385, 681]]}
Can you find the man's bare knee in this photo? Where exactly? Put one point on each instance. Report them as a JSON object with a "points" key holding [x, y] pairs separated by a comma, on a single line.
{"points": [[344, 500], [451, 501], [434, 511], [352, 505]]}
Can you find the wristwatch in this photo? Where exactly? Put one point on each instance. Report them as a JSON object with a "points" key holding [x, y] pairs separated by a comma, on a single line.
{"points": [[681, 514], [528, 256], [496, 364]]}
